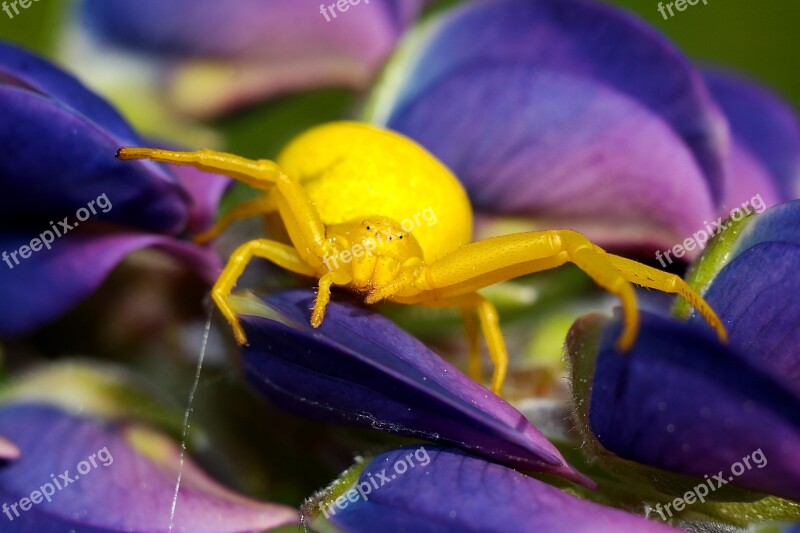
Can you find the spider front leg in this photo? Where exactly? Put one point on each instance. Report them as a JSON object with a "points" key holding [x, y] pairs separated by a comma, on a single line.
{"points": [[303, 223], [278, 253], [336, 277]]}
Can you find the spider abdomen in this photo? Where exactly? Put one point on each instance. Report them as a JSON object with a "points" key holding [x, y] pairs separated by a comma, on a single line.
{"points": [[353, 171]]}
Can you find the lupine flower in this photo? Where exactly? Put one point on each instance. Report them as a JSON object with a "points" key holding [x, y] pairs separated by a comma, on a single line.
{"points": [[566, 112], [573, 113], [223, 55], [683, 402], [765, 151], [359, 368], [432, 488], [70, 212], [78, 470]]}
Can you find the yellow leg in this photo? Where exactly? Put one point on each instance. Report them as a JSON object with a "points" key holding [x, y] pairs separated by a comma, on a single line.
{"points": [[404, 279], [490, 326], [655, 279], [489, 261], [297, 210], [250, 208], [281, 254], [324, 294], [474, 340]]}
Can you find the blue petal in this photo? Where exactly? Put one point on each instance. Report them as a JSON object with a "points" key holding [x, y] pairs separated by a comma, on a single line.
{"points": [[681, 401], [780, 223], [23, 69], [757, 292], [110, 477], [57, 161], [452, 491], [532, 104], [764, 126], [757, 296], [49, 282], [360, 368]]}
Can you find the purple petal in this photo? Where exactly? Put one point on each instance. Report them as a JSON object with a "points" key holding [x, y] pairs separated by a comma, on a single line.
{"points": [[50, 282], [20, 68], [766, 132], [360, 368], [780, 223], [276, 46], [757, 296], [681, 401], [128, 487], [457, 492], [757, 293], [8, 450], [55, 161], [541, 105], [205, 191]]}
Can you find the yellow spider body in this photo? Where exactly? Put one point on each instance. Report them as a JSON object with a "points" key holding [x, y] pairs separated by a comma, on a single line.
{"points": [[352, 171], [371, 210]]}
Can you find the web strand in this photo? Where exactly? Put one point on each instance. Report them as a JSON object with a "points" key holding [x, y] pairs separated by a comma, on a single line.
{"points": [[189, 402]]}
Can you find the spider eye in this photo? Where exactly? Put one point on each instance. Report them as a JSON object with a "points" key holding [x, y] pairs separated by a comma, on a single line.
{"points": [[400, 237], [368, 228]]}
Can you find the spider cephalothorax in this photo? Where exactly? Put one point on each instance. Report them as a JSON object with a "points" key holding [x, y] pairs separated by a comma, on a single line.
{"points": [[355, 202], [375, 252]]}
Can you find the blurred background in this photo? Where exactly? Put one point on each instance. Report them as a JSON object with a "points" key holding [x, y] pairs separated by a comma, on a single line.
{"points": [[756, 38]]}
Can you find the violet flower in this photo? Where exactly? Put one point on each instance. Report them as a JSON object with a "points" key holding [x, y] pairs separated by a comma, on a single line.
{"points": [[70, 211]]}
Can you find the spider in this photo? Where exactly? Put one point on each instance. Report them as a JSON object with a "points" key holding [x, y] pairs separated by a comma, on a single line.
{"points": [[344, 192]]}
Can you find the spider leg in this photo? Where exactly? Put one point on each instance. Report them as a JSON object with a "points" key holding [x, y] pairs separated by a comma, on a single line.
{"points": [[250, 208], [496, 259], [653, 278], [473, 338], [278, 253], [404, 280], [306, 230], [336, 277], [490, 326]]}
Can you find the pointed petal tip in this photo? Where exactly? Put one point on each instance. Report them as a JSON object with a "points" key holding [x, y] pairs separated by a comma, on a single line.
{"points": [[360, 368]]}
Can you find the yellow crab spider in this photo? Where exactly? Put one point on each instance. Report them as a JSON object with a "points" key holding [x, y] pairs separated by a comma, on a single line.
{"points": [[346, 192]]}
